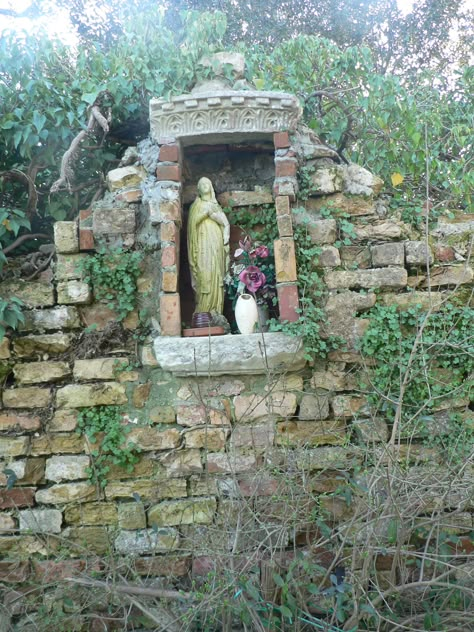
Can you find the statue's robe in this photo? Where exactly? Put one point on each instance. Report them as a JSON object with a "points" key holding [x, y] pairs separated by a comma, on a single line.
{"points": [[207, 256]]}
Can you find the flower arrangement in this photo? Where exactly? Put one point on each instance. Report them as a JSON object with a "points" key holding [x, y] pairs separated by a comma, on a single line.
{"points": [[253, 271]]}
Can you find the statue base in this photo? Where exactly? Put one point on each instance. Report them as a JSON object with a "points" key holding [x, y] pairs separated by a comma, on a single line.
{"points": [[194, 332]]}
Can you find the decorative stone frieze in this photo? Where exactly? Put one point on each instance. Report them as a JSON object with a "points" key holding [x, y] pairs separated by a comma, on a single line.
{"points": [[226, 112]]}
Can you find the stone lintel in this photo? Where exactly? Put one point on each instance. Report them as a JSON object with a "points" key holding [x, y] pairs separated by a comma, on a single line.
{"points": [[224, 112], [230, 354]]}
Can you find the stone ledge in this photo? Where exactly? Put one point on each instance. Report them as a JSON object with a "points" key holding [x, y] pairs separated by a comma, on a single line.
{"points": [[251, 354]]}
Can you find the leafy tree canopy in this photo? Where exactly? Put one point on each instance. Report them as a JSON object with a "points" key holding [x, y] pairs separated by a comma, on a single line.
{"points": [[403, 115]]}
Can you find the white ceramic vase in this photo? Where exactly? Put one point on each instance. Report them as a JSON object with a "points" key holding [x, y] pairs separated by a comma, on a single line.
{"points": [[246, 314]]}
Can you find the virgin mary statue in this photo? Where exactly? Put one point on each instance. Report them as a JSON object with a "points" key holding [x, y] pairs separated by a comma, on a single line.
{"points": [[208, 249]]}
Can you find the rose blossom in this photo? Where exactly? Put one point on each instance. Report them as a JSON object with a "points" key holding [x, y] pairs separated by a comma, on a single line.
{"points": [[261, 251], [253, 278]]}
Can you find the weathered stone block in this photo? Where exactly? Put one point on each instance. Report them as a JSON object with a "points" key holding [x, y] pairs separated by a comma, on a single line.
{"points": [[272, 405], [50, 319], [356, 257], [69, 267], [285, 260], [285, 225], [425, 300], [141, 394], [66, 443], [28, 471], [166, 210], [27, 397], [92, 539], [99, 368], [311, 433], [359, 181], [91, 514], [52, 344], [379, 231], [38, 372], [162, 415], [333, 380], [63, 421], [327, 180], [321, 231], [450, 275], [169, 280], [14, 446], [66, 493], [388, 255], [17, 497], [32, 293], [218, 462], [329, 257], [182, 463], [123, 177], [132, 196], [147, 541], [342, 204], [314, 406], [178, 512], [113, 220], [258, 436], [66, 237], [369, 430], [209, 438], [163, 566], [84, 395], [40, 520], [245, 198], [349, 406], [376, 278], [12, 421], [67, 468], [229, 355], [5, 349], [150, 490], [418, 253], [148, 439], [131, 516], [13, 572], [326, 458], [282, 205], [74, 292]]}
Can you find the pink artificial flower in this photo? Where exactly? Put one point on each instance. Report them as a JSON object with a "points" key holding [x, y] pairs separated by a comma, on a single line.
{"points": [[245, 243], [253, 278], [261, 251]]}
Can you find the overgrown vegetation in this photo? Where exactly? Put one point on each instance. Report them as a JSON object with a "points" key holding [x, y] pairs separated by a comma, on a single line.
{"points": [[104, 428], [113, 274]]}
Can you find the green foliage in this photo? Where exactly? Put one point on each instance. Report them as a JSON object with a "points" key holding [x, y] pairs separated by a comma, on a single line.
{"points": [[436, 352], [113, 275], [11, 314], [396, 118], [311, 291], [259, 223], [104, 428]]}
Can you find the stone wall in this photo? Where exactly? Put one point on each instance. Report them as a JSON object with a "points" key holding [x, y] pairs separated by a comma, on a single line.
{"points": [[227, 459]]}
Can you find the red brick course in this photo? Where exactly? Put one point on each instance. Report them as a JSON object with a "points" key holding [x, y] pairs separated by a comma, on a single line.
{"points": [[288, 302], [169, 153], [170, 315], [281, 140], [168, 172]]}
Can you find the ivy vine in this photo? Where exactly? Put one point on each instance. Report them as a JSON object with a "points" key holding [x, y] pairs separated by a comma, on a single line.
{"points": [[113, 275]]}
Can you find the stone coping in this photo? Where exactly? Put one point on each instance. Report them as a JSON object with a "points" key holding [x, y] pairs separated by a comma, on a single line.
{"points": [[223, 112], [251, 354]]}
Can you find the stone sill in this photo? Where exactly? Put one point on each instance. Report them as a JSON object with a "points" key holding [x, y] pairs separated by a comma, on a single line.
{"points": [[251, 354]]}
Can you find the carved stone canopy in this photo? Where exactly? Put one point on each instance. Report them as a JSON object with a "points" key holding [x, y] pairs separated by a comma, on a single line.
{"points": [[223, 116]]}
